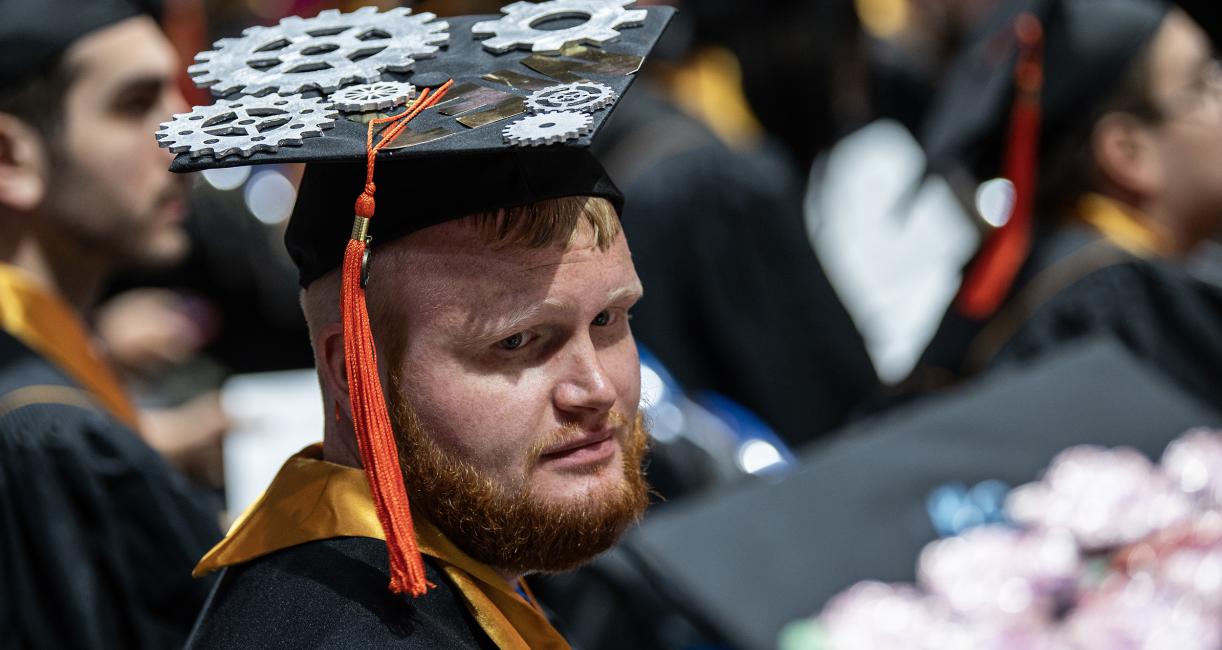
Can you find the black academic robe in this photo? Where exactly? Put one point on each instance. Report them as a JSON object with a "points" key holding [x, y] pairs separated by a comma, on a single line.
{"points": [[1162, 313], [332, 594], [97, 534], [1077, 285]]}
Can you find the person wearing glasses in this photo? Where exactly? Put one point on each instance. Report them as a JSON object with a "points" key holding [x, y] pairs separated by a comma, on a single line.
{"points": [[1104, 120]]}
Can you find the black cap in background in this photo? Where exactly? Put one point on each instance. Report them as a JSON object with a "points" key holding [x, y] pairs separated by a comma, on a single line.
{"points": [[33, 33], [1088, 47]]}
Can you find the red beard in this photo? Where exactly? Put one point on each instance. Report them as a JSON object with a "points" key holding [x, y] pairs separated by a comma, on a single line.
{"points": [[511, 529]]}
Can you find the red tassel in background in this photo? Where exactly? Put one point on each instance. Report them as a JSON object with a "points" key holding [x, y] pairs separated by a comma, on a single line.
{"points": [[991, 276]]}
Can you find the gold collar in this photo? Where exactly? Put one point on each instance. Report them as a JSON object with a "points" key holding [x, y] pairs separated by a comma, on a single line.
{"points": [[46, 324], [1119, 225], [311, 499], [708, 86]]}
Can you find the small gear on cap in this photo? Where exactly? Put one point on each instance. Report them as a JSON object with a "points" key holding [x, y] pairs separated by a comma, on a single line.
{"points": [[582, 96], [517, 28], [246, 125], [372, 97], [325, 52], [548, 128]]}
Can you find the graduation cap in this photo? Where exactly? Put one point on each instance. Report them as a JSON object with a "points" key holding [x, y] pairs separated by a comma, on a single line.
{"points": [[422, 121], [1036, 74], [33, 33], [745, 562]]}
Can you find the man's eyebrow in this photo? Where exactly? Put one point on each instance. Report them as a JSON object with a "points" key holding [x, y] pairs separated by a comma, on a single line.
{"points": [[146, 82], [631, 292], [479, 334]]}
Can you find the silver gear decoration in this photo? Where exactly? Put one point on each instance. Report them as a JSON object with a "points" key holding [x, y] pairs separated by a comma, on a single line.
{"points": [[515, 29], [326, 52], [376, 96], [581, 96], [548, 128], [246, 125]]}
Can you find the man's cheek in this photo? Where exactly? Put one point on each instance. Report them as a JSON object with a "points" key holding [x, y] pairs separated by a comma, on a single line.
{"points": [[628, 381]]}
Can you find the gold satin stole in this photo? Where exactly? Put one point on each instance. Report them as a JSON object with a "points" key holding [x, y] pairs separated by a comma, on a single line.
{"points": [[46, 324], [1119, 225], [311, 499]]}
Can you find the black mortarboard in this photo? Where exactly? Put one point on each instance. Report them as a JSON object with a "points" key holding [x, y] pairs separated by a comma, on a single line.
{"points": [[522, 96], [1088, 45], [747, 561], [456, 159], [33, 33]]}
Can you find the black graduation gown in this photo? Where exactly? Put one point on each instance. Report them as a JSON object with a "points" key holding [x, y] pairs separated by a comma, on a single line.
{"points": [[1158, 310], [97, 534], [332, 594], [735, 298]]}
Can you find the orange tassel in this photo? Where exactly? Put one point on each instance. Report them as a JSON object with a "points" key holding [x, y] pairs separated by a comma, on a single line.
{"points": [[991, 276], [370, 420], [374, 434]]}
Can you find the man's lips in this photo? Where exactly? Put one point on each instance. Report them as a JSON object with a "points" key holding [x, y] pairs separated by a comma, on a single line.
{"points": [[585, 440], [172, 202], [589, 449], [174, 210]]}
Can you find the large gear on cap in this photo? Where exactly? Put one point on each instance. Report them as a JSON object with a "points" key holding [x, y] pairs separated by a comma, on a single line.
{"points": [[324, 53], [548, 128], [372, 97], [581, 96], [246, 125], [516, 29]]}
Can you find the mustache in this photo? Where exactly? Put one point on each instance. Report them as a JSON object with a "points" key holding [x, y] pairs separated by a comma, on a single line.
{"points": [[571, 433]]}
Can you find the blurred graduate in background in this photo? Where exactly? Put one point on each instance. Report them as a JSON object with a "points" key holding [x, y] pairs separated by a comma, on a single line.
{"points": [[99, 533], [1105, 120]]}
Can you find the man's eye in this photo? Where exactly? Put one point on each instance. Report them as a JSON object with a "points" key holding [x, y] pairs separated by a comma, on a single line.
{"points": [[512, 342], [602, 319], [136, 104]]}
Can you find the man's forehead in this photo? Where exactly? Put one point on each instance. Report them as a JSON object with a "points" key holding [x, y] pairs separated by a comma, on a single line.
{"points": [[509, 257], [467, 245], [1190, 37], [433, 270], [1177, 52], [131, 48]]}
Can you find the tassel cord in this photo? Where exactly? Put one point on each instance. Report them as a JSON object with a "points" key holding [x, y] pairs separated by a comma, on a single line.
{"points": [[370, 419]]}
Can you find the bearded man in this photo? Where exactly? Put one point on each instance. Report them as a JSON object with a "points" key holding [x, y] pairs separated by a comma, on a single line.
{"points": [[493, 309]]}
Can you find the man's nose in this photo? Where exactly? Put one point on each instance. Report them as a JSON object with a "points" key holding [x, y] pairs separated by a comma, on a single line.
{"points": [[586, 388], [172, 102]]}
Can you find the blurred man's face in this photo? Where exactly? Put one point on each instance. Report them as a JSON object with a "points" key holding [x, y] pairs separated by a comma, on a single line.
{"points": [[1186, 85], [110, 193], [517, 386]]}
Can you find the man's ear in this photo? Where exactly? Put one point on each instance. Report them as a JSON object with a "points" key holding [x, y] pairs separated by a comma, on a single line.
{"points": [[1125, 156], [23, 165], [331, 366]]}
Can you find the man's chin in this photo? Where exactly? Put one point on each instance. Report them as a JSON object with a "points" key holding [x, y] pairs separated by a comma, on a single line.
{"points": [[164, 248], [514, 529], [566, 490]]}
